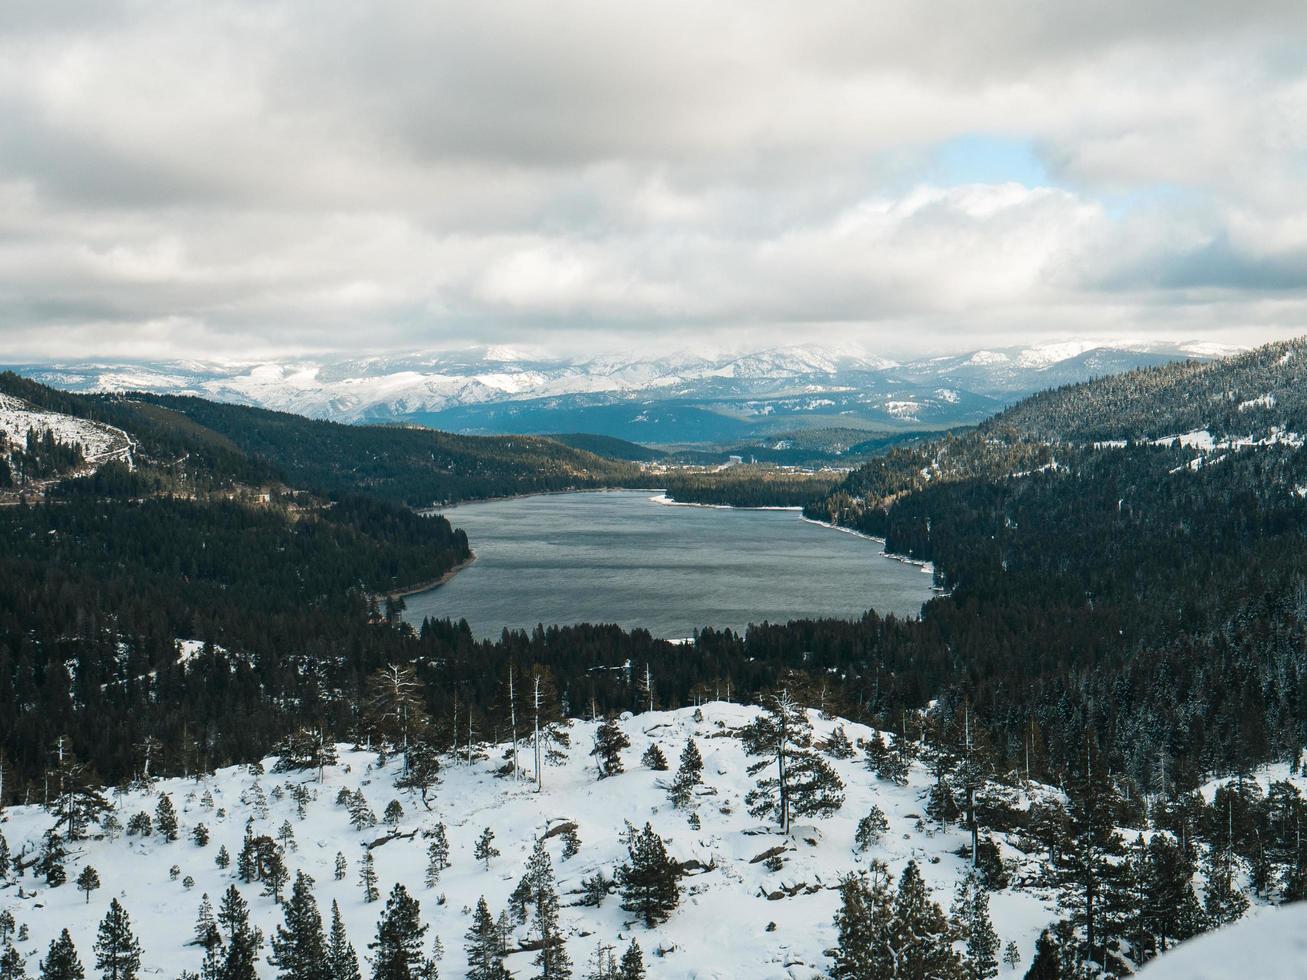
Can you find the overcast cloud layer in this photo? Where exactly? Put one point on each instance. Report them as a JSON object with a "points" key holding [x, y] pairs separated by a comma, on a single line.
{"points": [[231, 179]]}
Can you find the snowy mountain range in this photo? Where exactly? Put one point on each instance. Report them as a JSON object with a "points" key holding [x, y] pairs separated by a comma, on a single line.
{"points": [[678, 398]]}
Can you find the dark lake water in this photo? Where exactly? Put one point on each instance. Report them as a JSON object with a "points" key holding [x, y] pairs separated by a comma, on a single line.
{"points": [[619, 557]]}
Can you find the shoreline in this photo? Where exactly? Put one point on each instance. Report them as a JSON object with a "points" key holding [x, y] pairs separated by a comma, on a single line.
{"points": [[925, 566], [430, 511], [431, 584], [667, 501]]}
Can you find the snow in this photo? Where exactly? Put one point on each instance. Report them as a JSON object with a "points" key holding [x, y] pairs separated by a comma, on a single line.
{"points": [[902, 408], [99, 442], [987, 357], [1204, 441], [1265, 401], [1270, 944], [667, 501], [719, 930], [1197, 439]]}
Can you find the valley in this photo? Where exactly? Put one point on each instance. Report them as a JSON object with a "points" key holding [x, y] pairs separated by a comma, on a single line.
{"points": [[1115, 651]]}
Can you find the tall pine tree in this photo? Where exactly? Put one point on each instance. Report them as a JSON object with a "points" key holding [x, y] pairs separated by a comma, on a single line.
{"points": [[299, 947], [117, 953], [397, 950], [61, 962], [803, 783]]}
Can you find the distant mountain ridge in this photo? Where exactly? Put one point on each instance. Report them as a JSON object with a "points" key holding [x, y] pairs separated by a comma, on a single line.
{"points": [[678, 398]]}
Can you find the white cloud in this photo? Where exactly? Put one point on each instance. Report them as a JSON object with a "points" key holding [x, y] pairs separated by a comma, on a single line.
{"points": [[207, 178]]}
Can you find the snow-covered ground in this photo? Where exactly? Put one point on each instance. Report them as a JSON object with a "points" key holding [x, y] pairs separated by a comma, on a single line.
{"points": [[99, 442], [1268, 946], [735, 920]]}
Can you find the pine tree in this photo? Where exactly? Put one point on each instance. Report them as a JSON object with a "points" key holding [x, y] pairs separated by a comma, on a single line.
{"points": [[299, 948], [864, 922], [1222, 900], [397, 950], [12, 965], [1047, 962], [88, 881], [165, 818], [439, 849], [368, 878], [437, 856], [342, 961], [394, 814], [247, 862], [341, 867], [50, 864], [971, 912], [421, 766], [539, 874], [653, 758], [361, 816], [552, 958], [689, 774], [650, 881], [838, 745], [117, 953], [632, 965], [1011, 955], [609, 742], [207, 935], [305, 749], [1087, 862], [274, 875], [571, 841], [222, 859], [77, 799], [61, 962], [871, 829], [485, 847], [243, 941], [536, 889], [1171, 908], [921, 933], [804, 783], [485, 947]]}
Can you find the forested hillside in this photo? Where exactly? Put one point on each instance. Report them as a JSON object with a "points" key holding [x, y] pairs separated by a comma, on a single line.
{"points": [[214, 442], [1249, 396]]}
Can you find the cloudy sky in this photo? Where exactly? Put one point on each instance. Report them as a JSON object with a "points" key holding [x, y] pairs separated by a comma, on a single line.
{"points": [[224, 179]]}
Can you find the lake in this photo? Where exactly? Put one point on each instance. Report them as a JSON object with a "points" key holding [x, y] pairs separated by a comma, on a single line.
{"points": [[620, 557]]}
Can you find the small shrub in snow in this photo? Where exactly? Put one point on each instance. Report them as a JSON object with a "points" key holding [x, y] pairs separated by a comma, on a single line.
{"points": [[654, 759], [485, 847], [394, 814], [571, 842], [871, 829]]}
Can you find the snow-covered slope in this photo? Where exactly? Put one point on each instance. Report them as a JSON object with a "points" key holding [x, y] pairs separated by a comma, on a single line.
{"points": [[1271, 945], [99, 442], [736, 918]]}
